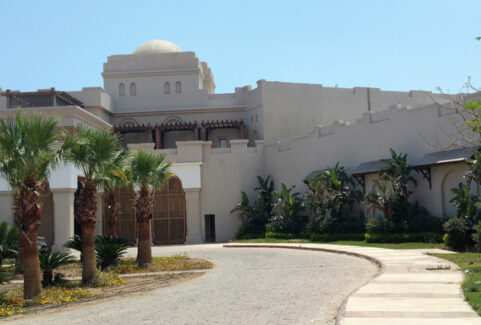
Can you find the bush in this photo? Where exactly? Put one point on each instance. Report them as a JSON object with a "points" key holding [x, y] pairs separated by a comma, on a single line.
{"points": [[109, 250], [457, 233], [50, 261], [425, 237], [476, 236], [280, 235], [244, 233], [286, 212], [336, 237], [379, 225], [331, 225]]}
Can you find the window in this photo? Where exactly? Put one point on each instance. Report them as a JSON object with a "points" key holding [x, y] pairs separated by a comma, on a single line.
{"points": [[133, 89], [121, 89], [178, 87], [167, 88], [223, 143]]}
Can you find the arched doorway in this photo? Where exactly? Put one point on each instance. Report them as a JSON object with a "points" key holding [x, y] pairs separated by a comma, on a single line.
{"points": [[168, 222]]}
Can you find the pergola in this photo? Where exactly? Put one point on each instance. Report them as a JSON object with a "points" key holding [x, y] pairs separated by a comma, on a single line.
{"points": [[40, 98], [201, 131]]}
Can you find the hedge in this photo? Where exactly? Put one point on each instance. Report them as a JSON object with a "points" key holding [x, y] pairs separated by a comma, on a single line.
{"points": [[425, 237], [280, 235], [336, 237]]}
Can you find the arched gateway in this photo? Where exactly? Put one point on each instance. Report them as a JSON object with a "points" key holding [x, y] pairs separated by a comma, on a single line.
{"points": [[168, 222]]}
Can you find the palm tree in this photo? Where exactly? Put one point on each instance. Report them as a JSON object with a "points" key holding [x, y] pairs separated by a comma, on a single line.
{"points": [[28, 149], [95, 152], [147, 172], [111, 182]]}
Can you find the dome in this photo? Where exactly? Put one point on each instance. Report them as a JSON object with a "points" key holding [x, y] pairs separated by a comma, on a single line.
{"points": [[157, 46]]}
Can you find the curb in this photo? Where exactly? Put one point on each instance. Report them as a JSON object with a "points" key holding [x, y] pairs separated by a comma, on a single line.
{"points": [[342, 307]]}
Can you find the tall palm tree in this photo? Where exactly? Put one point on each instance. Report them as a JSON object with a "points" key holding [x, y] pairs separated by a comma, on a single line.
{"points": [[94, 152], [147, 172], [112, 181], [28, 149]]}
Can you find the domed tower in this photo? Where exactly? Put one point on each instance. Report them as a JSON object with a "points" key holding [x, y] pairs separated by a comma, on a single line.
{"points": [[157, 75]]}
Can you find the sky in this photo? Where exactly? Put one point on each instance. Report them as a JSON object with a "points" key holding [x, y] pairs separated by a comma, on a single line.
{"points": [[392, 45]]}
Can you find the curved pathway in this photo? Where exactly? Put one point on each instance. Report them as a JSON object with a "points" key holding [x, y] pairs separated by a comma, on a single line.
{"points": [[404, 292], [246, 286]]}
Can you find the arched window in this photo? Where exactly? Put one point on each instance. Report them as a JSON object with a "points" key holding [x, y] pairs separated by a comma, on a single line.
{"points": [[121, 89], [178, 87], [167, 88], [133, 89]]}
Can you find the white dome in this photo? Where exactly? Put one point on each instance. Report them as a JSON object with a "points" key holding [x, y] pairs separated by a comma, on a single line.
{"points": [[157, 46]]}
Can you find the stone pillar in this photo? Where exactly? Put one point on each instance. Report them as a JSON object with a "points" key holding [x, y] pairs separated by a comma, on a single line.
{"points": [[193, 217], [63, 220], [99, 214], [6, 202]]}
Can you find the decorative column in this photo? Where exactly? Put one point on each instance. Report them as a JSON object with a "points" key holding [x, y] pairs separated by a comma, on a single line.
{"points": [[193, 217], [63, 220]]}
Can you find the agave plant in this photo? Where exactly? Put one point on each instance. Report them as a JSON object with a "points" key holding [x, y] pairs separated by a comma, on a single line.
{"points": [[50, 261], [109, 250]]}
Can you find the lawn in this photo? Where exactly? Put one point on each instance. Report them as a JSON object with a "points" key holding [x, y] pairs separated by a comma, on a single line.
{"points": [[346, 242], [471, 264]]}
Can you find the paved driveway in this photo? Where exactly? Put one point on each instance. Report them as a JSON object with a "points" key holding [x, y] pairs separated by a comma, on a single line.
{"points": [[246, 286]]}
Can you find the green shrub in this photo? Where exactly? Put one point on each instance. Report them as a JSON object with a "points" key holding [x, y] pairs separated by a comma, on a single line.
{"points": [[336, 237], [379, 225], [280, 235], [457, 233], [477, 236], [286, 212], [425, 237], [109, 250], [243, 233], [50, 261]]}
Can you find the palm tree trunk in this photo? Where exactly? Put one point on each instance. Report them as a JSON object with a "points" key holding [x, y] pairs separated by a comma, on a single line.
{"points": [[143, 206], [113, 211], [28, 209], [86, 208]]}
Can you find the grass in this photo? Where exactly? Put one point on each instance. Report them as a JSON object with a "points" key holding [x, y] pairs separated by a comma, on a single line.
{"points": [[348, 242], [178, 262], [470, 263]]}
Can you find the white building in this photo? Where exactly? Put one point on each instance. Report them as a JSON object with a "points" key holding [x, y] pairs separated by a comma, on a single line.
{"points": [[162, 99]]}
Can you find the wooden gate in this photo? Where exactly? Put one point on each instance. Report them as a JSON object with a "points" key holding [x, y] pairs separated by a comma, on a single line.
{"points": [[126, 223], [168, 222]]}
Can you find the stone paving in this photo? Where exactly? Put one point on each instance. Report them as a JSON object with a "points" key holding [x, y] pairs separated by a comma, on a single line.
{"points": [[246, 286], [405, 291]]}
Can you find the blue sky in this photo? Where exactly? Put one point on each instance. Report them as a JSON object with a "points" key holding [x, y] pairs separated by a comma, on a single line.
{"points": [[392, 45]]}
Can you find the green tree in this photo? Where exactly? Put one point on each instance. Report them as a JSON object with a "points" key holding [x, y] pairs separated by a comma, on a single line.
{"points": [[331, 195], [95, 153], [29, 148], [286, 212], [147, 173], [399, 174]]}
